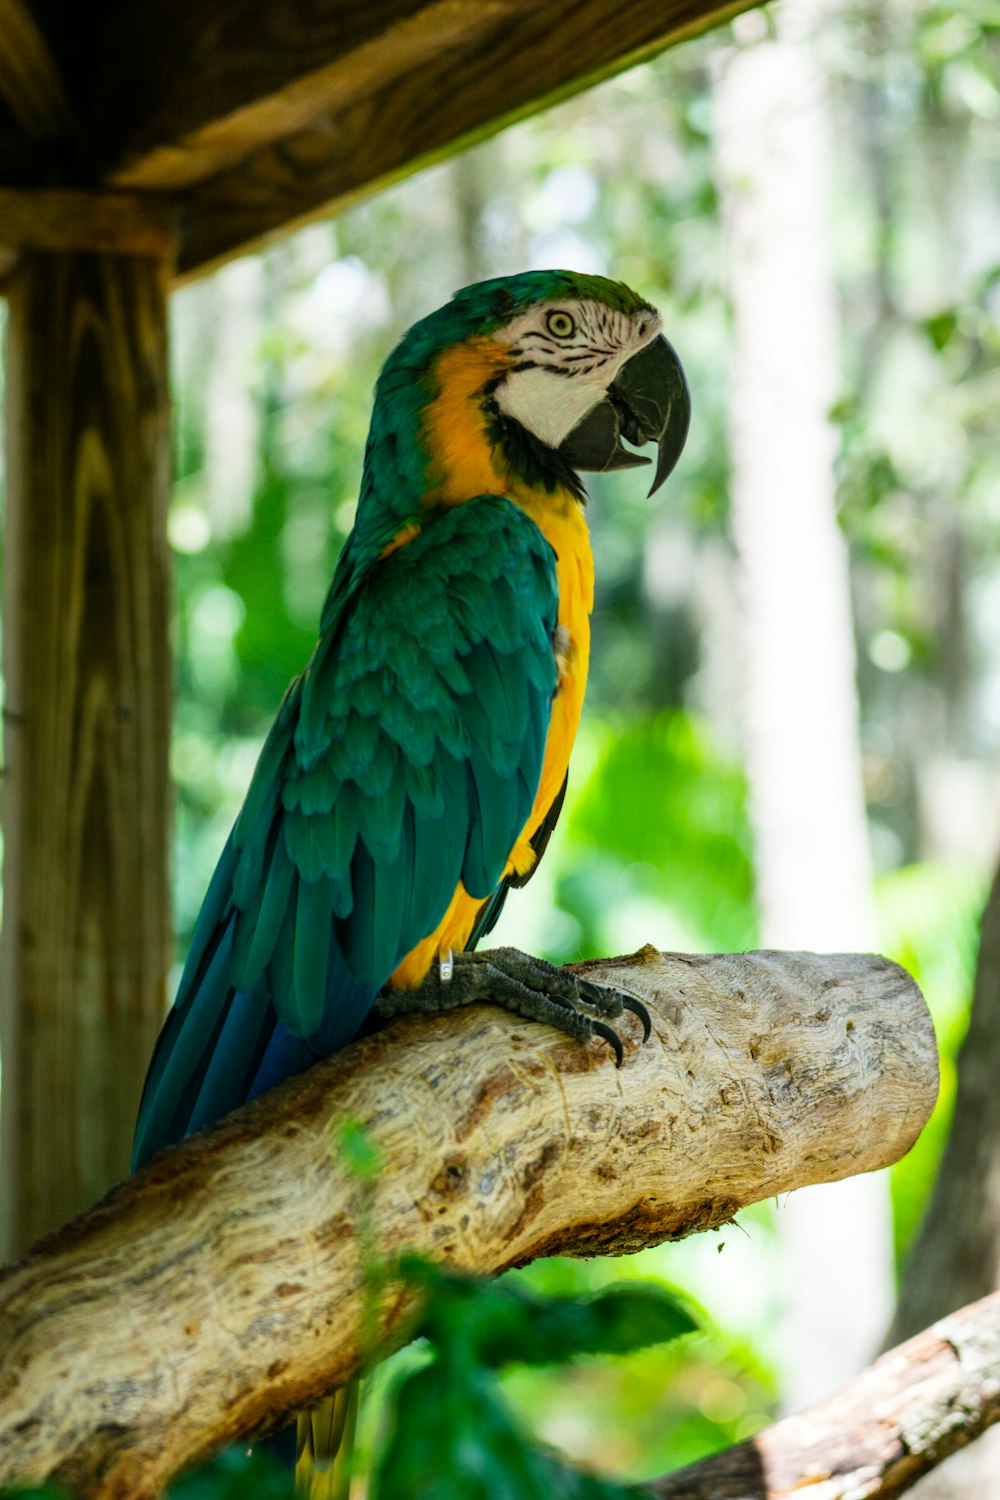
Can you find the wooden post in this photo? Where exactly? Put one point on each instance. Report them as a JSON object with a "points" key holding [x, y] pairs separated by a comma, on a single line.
{"points": [[88, 682]]}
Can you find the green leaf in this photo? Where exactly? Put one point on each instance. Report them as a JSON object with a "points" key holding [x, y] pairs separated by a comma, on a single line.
{"points": [[543, 1331], [454, 1439], [452, 1435], [500, 1322], [359, 1153], [941, 327]]}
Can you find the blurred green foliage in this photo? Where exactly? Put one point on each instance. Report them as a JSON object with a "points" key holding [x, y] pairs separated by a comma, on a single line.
{"points": [[645, 1413], [509, 1322], [234, 1475], [34, 1492], [662, 822], [450, 1433], [928, 921]]}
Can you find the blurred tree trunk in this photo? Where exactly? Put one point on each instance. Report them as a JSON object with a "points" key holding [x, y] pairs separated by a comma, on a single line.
{"points": [[956, 1256], [470, 194], [801, 713]]}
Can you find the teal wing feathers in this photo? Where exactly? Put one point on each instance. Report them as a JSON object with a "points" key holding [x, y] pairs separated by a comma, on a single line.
{"points": [[405, 759]]}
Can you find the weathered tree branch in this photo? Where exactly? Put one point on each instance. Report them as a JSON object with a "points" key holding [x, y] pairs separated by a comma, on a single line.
{"points": [[219, 1290], [876, 1437]]}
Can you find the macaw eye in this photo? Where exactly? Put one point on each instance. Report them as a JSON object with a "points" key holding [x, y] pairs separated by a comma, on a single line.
{"points": [[560, 324]]}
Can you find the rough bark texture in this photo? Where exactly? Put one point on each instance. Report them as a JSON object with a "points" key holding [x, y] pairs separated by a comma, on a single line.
{"points": [[219, 1290], [876, 1437], [87, 669]]}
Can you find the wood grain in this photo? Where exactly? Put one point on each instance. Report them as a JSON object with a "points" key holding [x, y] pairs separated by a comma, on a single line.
{"points": [[448, 98], [185, 91], [73, 219], [30, 81], [879, 1435], [218, 1290], [249, 117], [87, 668]]}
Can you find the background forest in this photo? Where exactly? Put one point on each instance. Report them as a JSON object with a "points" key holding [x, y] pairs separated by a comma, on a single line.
{"points": [[873, 275]]}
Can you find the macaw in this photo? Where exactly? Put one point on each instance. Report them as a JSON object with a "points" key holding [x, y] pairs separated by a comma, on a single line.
{"points": [[417, 766]]}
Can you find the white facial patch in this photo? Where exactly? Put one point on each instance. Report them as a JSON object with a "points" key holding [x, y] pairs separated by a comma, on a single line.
{"points": [[561, 376]]}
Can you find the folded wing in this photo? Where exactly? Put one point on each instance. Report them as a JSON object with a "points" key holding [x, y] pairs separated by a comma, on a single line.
{"points": [[403, 761]]}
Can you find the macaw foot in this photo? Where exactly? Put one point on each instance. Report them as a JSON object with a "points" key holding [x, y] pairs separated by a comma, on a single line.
{"points": [[530, 987]]}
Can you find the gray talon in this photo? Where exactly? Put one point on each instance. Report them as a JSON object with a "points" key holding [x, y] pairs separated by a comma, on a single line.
{"points": [[613, 1040], [607, 1001], [529, 987], [629, 1002]]}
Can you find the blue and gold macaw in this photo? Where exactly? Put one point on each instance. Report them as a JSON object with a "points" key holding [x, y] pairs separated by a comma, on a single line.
{"points": [[417, 766]]}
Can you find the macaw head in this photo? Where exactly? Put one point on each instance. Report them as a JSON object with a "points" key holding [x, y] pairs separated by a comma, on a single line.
{"points": [[524, 380], [576, 362]]}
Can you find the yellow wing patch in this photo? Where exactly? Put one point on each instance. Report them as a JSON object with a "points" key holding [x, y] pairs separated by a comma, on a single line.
{"points": [[403, 535]]}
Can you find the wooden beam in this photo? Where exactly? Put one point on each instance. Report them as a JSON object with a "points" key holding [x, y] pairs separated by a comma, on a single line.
{"points": [[438, 77], [30, 81], [184, 91], [225, 1282], [72, 219], [253, 116], [87, 667], [461, 95]]}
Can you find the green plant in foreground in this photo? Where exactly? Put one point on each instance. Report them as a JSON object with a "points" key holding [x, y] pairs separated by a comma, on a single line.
{"points": [[451, 1435]]}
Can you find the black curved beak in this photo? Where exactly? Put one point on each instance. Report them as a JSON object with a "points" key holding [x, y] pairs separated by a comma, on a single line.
{"points": [[648, 402]]}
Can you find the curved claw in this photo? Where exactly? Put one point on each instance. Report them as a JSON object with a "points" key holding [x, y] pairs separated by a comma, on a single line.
{"points": [[629, 1002], [613, 1040], [605, 1001]]}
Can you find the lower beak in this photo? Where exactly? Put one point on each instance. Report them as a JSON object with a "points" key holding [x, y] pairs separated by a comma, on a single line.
{"points": [[647, 402]]}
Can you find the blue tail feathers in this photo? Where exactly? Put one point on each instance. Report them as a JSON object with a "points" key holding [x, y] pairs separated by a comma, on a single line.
{"points": [[221, 1046]]}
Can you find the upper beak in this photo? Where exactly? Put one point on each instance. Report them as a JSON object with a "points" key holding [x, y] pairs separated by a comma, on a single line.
{"points": [[647, 402]]}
